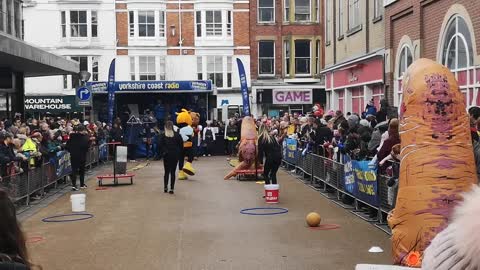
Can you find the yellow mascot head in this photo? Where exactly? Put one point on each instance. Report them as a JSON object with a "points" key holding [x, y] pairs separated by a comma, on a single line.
{"points": [[184, 117]]}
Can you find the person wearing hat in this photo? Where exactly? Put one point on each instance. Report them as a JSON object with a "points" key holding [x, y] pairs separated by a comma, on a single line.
{"points": [[78, 145]]}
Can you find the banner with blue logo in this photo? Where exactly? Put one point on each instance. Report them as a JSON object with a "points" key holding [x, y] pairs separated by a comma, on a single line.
{"points": [[244, 88], [349, 175], [111, 91], [63, 164], [366, 182], [291, 151], [154, 86]]}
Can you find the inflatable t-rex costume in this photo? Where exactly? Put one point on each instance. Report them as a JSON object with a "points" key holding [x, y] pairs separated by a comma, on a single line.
{"points": [[247, 151], [437, 162], [184, 123]]}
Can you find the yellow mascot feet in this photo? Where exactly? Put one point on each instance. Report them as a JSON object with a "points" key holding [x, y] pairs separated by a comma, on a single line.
{"points": [[182, 176], [188, 169]]}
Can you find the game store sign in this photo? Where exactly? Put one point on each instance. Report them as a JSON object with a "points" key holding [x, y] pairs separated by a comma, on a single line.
{"points": [[289, 97]]}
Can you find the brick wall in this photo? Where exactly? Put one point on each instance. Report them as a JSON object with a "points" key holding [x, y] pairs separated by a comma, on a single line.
{"points": [[422, 22], [241, 29], [122, 28]]}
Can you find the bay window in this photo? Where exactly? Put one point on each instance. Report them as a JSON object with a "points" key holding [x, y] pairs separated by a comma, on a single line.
{"points": [[302, 57], [266, 11], [78, 23], [132, 68], [266, 58], [82, 23], [161, 24], [302, 10], [147, 24], [213, 23], [216, 68], [147, 70], [94, 24], [131, 23]]}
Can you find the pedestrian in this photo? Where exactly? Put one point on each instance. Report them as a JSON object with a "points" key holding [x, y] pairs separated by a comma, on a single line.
{"points": [[232, 137], [171, 147], [13, 250], [208, 139], [269, 148], [78, 145]]}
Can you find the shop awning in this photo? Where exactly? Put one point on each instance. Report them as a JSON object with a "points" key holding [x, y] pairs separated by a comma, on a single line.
{"points": [[18, 56], [154, 87]]}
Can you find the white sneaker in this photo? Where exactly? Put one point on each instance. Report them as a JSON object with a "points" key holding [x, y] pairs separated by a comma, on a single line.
{"points": [[83, 187], [209, 155], [74, 189], [133, 160], [204, 155]]}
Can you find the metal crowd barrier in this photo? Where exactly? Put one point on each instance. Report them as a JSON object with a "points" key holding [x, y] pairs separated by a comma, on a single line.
{"points": [[36, 180], [328, 176]]}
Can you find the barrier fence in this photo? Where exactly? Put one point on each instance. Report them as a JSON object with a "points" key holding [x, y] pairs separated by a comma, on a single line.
{"points": [[350, 183], [52, 174]]}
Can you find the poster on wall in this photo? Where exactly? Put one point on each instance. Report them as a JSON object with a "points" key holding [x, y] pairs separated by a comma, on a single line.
{"points": [[289, 97]]}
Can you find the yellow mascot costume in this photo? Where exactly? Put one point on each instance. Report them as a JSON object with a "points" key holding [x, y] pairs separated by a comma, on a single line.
{"points": [[184, 123]]}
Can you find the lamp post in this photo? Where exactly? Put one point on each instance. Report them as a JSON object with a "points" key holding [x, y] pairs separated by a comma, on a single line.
{"points": [[84, 77]]}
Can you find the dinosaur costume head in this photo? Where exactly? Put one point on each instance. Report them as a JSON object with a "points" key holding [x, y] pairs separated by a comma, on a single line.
{"points": [[184, 117]]}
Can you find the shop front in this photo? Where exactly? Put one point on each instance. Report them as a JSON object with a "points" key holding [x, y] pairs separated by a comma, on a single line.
{"points": [[350, 86], [164, 98], [277, 101]]}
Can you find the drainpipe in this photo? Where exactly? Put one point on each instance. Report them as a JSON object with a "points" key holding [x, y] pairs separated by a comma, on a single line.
{"points": [[180, 39], [367, 28]]}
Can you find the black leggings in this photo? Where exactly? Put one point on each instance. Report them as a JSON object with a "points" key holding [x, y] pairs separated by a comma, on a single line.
{"points": [[270, 171], [187, 152], [78, 168], [170, 166]]}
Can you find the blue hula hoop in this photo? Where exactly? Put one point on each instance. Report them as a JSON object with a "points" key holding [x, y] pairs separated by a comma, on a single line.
{"points": [[82, 216], [279, 211]]}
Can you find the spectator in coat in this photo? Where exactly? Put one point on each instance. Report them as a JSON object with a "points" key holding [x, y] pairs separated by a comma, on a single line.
{"points": [[78, 145], [393, 139]]}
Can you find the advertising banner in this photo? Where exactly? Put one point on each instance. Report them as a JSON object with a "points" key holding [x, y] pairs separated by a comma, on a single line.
{"points": [[291, 151], [111, 91], [349, 175], [52, 104], [244, 88], [153, 86], [366, 182], [63, 163], [289, 97]]}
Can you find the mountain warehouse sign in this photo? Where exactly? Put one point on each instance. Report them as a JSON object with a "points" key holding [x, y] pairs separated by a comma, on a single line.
{"points": [[50, 104]]}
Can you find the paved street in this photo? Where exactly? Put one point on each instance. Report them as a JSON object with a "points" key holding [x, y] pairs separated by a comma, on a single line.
{"points": [[200, 227]]}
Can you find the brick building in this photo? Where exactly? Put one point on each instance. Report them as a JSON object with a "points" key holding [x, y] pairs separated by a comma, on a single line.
{"points": [[354, 53], [286, 55], [152, 41], [447, 31]]}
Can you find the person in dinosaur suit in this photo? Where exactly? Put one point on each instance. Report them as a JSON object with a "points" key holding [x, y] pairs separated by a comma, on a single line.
{"points": [[184, 123]]}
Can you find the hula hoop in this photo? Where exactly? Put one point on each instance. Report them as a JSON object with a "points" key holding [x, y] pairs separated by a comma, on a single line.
{"points": [[34, 239], [325, 227], [82, 216], [251, 211]]}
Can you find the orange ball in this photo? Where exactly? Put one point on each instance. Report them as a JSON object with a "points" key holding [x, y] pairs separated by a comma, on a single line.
{"points": [[313, 219]]}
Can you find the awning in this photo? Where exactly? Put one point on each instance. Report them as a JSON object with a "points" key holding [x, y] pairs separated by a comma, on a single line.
{"points": [[18, 56]]}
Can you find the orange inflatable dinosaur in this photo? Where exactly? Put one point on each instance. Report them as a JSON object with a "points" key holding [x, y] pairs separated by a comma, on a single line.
{"points": [[437, 162]]}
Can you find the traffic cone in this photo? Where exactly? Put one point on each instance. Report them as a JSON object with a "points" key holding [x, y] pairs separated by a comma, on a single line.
{"points": [[188, 169], [182, 176]]}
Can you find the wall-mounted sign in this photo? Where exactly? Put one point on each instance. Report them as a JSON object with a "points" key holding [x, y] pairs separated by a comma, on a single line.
{"points": [[297, 96], [154, 86], [50, 104]]}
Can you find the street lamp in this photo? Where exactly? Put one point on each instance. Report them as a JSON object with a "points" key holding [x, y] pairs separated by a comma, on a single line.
{"points": [[84, 76]]}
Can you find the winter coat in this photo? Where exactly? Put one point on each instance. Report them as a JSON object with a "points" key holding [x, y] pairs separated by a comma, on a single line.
{"points": [[170, 147], [116, 135], [323, 134], [78, 145], [270, 150]]}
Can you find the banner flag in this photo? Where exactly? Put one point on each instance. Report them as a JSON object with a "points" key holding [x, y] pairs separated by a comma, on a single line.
{"points": [[244, 87], [111, 91]]}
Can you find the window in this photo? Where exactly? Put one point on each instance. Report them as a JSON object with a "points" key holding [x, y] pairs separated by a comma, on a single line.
{"points": [[266, 11], [78, 23], [161, 24], [94, 24], [18, 19], [317, 56], [317, 10], [9, 15], [229, 71], [147, 69], [199, 68], [95, 68], [286, 14], [213, 23], [266, 58], [83, 61], [457, 52], [378, 6], [302, 10], [353, 14], [199, 23], [405, 60], [215, 70], [328, 20], [131, 23], [229, 23], [146, 23], [340, 19], [132, 68], [65, 81], [162, 68], [286, 45], [2, 15], [302, 57], [64, 24]]}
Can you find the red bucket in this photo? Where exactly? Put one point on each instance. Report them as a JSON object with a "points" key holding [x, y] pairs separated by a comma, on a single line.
{"points": [[271, 193]]}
